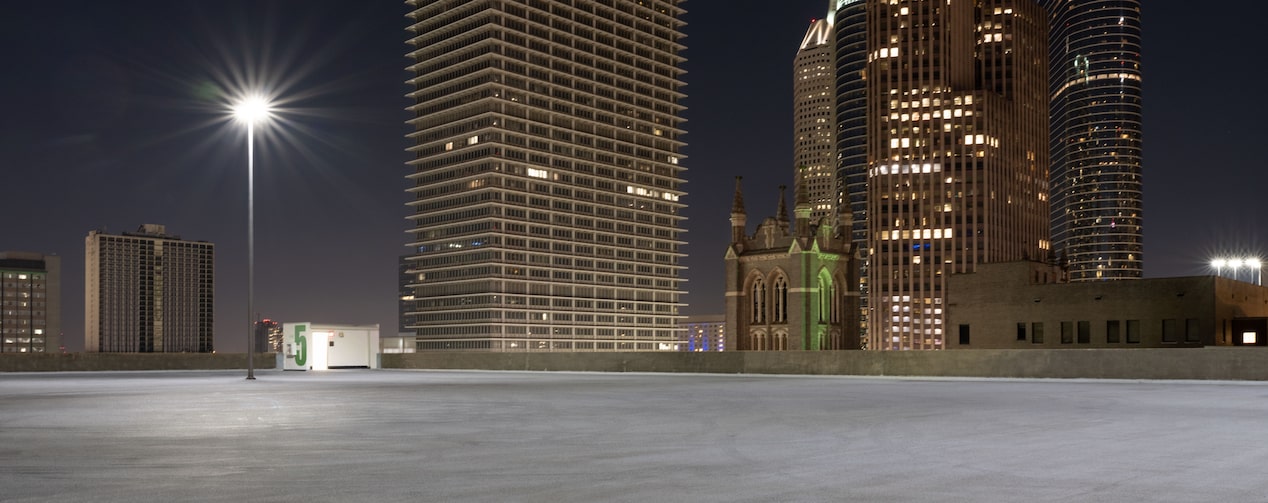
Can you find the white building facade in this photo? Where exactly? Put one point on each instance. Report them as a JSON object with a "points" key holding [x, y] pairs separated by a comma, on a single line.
{"points": [[546, 178]]}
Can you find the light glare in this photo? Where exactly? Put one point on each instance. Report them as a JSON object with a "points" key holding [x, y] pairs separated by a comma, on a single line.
{"points": [[252, 110]]}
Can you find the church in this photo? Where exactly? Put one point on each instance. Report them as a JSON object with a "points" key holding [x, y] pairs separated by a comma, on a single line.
{"points": [[791, 286]]}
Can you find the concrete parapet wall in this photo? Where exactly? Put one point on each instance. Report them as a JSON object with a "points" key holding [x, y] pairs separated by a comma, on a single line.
{"points": [[1220, 363], [79, 362]]}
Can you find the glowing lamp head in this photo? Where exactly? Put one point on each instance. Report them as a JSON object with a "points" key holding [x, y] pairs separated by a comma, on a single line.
{"points": [[1235, 263], [1219, 263], [1252, 263], [252, 110]]}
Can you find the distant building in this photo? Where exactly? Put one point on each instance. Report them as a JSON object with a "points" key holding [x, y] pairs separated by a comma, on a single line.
{"points": [[30, 302], [268, 336], [704, 333], [958, 149], [1095, 81], [545, 175], [849, 22], [148, 292], [404, 293], [814, 84], [791, 285], [1019, 305]]}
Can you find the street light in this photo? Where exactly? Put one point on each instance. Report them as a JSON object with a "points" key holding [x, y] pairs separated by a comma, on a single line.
{"points": [[250, 110]]}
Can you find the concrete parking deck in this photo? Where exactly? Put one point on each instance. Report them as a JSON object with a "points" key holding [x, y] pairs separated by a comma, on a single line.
{"points": [[518, 436]]}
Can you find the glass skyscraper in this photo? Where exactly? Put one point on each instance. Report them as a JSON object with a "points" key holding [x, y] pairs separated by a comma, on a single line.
{"points": [[546, 178], [1095, 86], [850, 27]]}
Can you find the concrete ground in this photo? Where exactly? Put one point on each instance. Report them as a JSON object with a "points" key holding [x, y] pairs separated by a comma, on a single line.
{"points": [[515, 436]]}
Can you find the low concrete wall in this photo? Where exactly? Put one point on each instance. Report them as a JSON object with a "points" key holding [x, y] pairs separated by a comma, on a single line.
{"points": [[77, 362], [1200, 363]]}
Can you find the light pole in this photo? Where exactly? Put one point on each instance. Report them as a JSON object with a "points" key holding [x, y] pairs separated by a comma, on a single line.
{"points": [[250, 110]]}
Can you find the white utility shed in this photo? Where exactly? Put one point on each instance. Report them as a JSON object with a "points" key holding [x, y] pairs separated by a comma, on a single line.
{"points": [[318, 346]]}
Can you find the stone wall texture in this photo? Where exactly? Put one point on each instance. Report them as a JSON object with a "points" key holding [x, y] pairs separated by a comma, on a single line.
{"points": [[1221, 363], [84, 362]]}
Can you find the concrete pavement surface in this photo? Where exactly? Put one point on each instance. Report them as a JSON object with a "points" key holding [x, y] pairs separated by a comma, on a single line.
{"points": [[547, 437]]}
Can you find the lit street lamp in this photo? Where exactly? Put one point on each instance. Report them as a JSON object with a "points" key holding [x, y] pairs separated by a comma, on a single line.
{"points": [[250, 110]]}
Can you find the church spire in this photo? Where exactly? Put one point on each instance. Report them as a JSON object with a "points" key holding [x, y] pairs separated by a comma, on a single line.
{"points": [[738, 218], [781, 213], [801, 206]]}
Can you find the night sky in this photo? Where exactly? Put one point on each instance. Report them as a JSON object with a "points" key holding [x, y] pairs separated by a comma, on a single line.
{"points": [[113, 116]]}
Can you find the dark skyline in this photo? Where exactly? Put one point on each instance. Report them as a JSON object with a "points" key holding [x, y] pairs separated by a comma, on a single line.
{"points": [[112, 120]]}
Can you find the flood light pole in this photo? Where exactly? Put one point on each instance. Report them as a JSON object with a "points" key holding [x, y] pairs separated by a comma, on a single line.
{"points": [[249, 111]]}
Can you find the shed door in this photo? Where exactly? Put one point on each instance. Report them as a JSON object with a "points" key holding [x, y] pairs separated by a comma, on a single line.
{"points": [[349, 349]]}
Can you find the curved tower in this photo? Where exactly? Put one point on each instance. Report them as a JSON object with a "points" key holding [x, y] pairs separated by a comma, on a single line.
{"points": [[850, 25], [1095, 121]]}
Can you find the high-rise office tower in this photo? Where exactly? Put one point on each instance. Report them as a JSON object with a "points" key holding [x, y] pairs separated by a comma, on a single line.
{"points": [[148, 292], [546, 177], [405, 293], [957, 150], [30, 302], [849, 21], [814, 91], [1095, 86]]}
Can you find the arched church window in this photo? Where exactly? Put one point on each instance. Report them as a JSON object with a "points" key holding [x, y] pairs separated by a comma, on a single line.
{"points": [[781, 299], [758, 310]]}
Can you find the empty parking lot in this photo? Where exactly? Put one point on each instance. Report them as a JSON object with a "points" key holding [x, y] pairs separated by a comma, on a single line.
{"points": [[523, 436]]}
